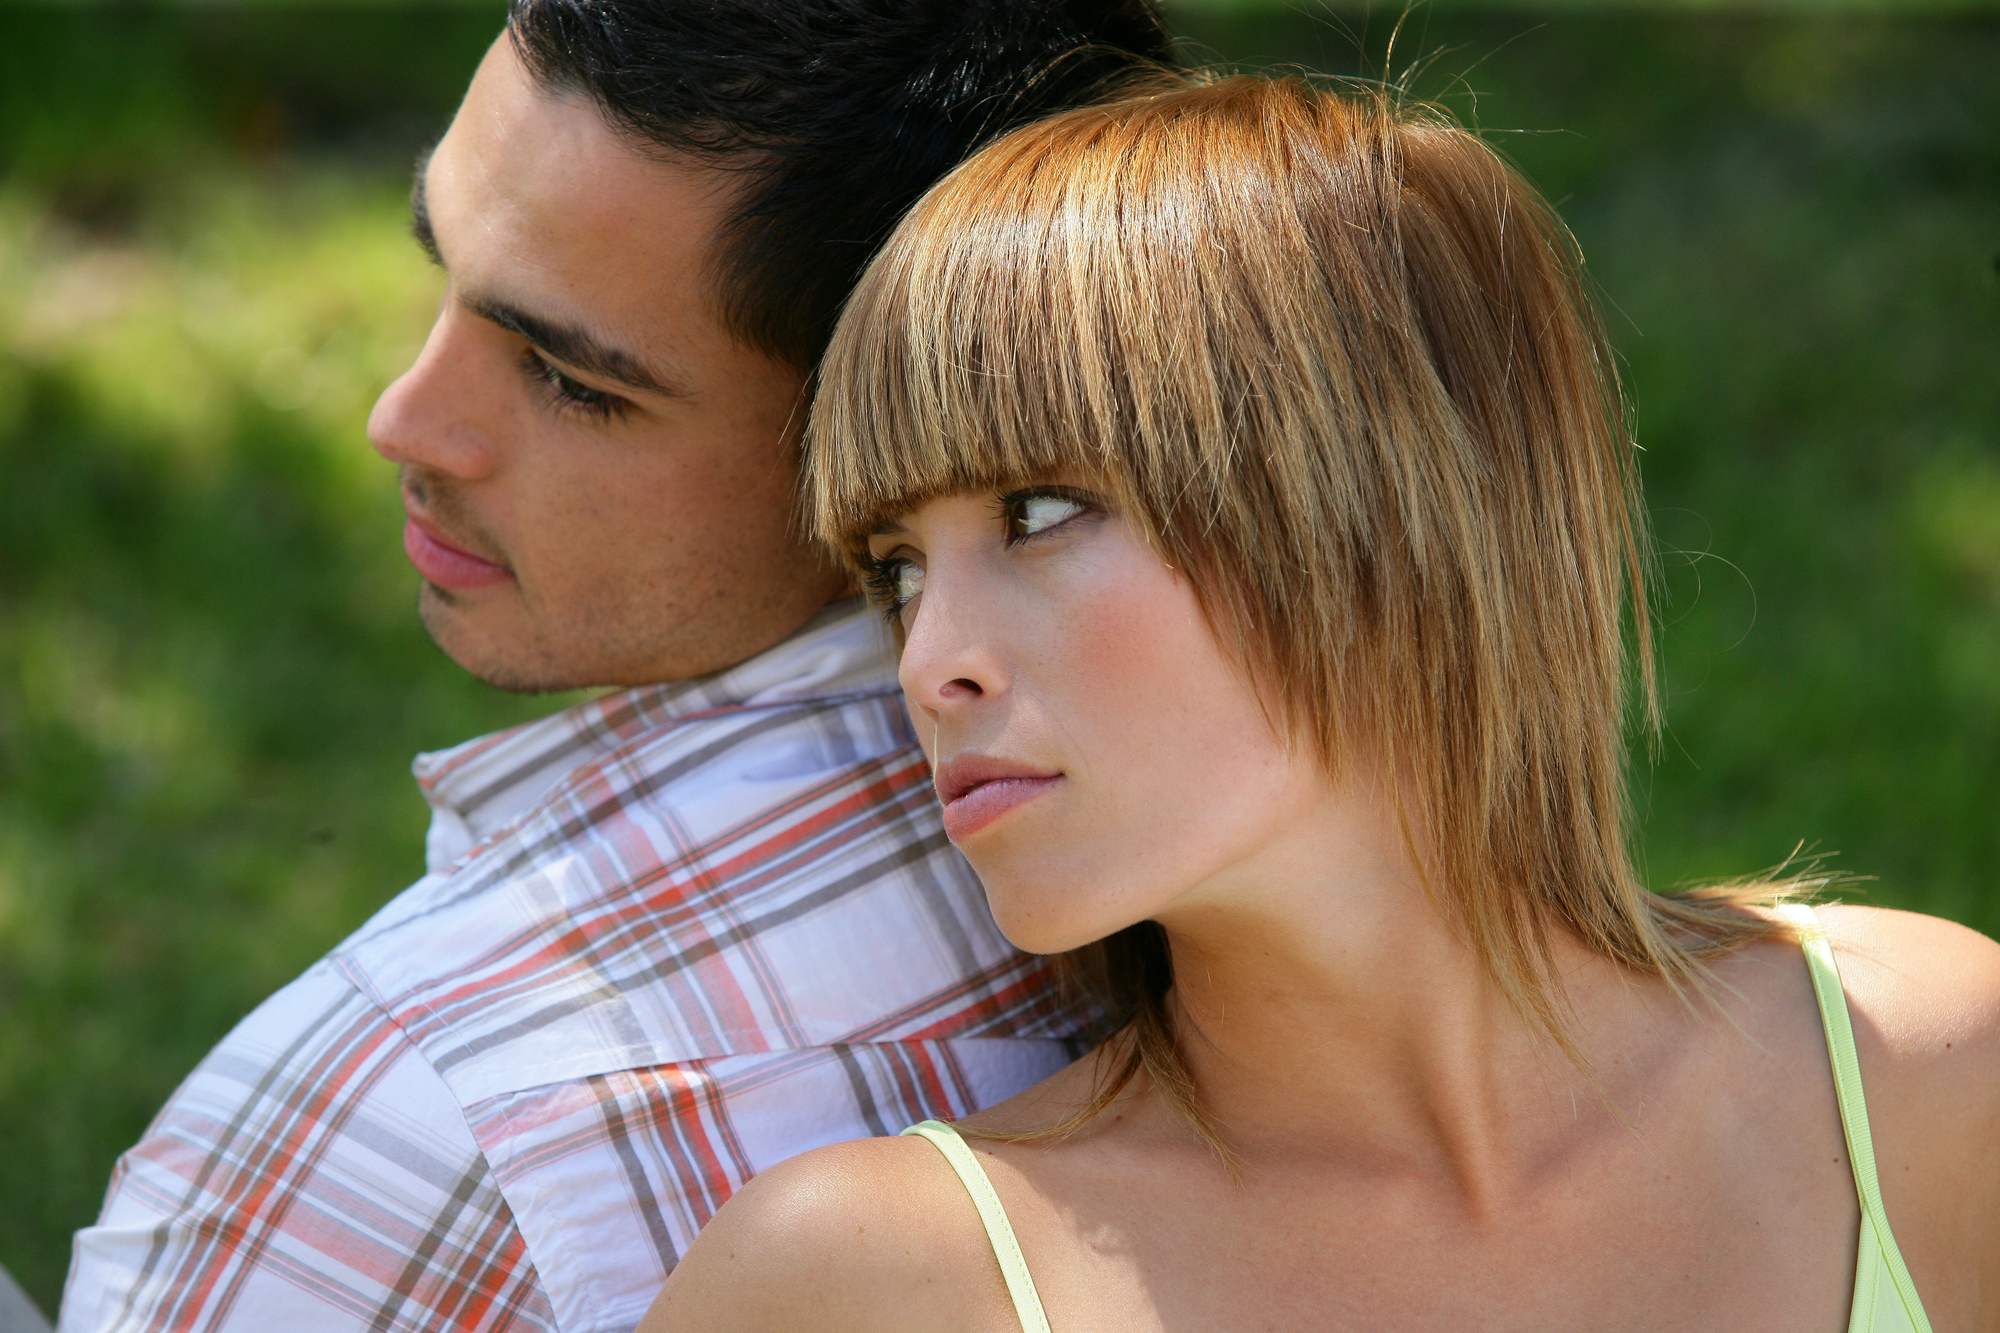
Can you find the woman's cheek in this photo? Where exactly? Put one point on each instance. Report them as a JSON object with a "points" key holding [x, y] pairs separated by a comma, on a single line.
{"points": [[1129, 687]]}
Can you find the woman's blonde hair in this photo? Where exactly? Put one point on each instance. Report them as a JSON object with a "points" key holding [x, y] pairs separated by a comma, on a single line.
{"points": [[1335, 359]]}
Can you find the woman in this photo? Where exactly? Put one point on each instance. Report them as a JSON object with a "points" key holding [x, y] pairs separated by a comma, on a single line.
{"points": [[1247, 481]]}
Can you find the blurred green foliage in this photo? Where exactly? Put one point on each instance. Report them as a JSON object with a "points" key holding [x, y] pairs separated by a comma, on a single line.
{"points": [[211, 679], [1794, 223]]}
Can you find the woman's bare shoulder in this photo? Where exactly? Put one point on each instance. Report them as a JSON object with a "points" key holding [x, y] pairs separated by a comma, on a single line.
{"points": [[876, 1234], [1927, 990], [1924, 995]]}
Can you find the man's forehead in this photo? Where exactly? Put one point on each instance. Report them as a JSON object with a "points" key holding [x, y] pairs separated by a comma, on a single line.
{"points": [[533, 193], [550, 166]]}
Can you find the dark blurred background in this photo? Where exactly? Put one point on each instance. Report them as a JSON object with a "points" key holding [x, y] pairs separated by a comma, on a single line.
{"points": [[212, 680]]}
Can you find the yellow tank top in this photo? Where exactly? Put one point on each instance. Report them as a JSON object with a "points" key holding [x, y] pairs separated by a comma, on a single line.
{"points": [[1885, 1300]]}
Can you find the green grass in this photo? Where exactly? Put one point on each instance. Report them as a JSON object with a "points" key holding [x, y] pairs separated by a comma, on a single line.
{"points": [[211, 679]]}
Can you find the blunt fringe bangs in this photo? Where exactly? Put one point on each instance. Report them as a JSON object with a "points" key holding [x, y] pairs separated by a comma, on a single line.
{"points": [[1336, 359]]}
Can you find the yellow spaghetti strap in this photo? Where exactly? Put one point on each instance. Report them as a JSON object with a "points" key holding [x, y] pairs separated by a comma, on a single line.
{"points": [[1000, 1232], [1885, 1299]]}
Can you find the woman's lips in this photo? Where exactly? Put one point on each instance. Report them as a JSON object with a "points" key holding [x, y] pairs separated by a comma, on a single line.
{"points": [[445, 565], [990, 800], [977, 790]]}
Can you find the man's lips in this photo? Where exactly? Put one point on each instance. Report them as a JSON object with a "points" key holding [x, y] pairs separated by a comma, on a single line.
{"points": [[976, 790], [445, 565]]}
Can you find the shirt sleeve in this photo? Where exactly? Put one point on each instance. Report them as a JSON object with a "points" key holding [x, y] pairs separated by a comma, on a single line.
{"points": [[314, 1172]]}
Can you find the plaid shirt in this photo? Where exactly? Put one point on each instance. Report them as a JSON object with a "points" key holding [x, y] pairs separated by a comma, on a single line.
{"points": [[669, 938]]}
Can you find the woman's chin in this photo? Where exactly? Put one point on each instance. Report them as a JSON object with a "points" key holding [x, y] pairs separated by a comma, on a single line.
{"points": [[1040, 941], [1052, 887], [1052, 925]]}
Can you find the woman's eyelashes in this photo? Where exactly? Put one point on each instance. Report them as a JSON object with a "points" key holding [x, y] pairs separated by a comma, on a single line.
{"points": [[568, 395], [894, 581], [1030, 513]]}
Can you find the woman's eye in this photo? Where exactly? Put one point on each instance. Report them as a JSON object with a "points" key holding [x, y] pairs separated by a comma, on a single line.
{"points": [[908, 584], [895, 582], [1039, 513]]}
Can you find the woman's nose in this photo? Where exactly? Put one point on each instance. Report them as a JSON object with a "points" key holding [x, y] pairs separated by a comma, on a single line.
{"points": [[951, 660]]}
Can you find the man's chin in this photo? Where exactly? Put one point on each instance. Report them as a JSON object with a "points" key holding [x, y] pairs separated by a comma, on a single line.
{"points": [[506, 662], [522, 645]]}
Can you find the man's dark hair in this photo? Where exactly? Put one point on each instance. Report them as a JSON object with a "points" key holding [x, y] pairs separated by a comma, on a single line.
{"points": [[840, 112]]}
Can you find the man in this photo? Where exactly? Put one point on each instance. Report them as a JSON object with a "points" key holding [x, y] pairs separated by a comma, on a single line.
{"points": [[709, 920]]}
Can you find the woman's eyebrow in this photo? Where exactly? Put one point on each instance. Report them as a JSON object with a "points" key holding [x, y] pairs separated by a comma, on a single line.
{"points": [[888, 527]]}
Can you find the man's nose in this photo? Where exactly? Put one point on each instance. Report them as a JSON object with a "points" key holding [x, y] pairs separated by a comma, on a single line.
{"points": [[438, 414]]}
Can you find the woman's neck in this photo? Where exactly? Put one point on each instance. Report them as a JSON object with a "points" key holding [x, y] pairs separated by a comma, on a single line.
{"points": [[1325, 1002]]}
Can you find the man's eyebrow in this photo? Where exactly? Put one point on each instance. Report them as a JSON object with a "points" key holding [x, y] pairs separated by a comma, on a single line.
{"points": [[565, 342], [420, 214], [574, 347]]}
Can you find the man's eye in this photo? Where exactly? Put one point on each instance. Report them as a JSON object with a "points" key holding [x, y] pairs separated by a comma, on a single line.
{"points": [[568, 394]]}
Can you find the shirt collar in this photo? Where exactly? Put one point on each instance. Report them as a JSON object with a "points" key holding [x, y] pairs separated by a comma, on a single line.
{"points": [[478, 788]]}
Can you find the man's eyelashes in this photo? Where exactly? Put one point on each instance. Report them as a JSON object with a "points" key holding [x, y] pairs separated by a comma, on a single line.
{"points": [[568, 395]]}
